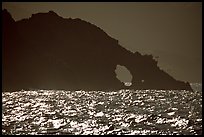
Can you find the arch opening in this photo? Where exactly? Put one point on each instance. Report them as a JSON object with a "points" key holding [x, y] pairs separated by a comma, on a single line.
{"points": [[124, 75]]}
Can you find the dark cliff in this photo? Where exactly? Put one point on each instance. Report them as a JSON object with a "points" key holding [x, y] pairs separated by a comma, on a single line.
{"points": [[47, 51]]}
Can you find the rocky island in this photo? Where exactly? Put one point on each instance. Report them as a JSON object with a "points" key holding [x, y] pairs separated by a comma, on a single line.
{"points": [[47, 51]]}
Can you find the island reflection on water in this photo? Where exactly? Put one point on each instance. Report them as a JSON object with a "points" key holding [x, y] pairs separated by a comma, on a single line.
{"points": [[129, 112]]}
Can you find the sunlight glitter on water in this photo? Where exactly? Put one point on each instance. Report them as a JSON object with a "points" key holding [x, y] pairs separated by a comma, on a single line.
{"points": [[135, 112]]}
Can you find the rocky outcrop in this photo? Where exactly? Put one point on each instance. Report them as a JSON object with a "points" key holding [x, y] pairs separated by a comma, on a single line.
{"points": [[47, 51]]}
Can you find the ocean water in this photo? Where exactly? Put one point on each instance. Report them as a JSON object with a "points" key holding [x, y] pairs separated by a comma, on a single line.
{"points": [[122, 112]]}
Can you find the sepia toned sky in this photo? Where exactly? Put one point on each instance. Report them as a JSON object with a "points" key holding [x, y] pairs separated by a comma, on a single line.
{"points": [[170, 30]]}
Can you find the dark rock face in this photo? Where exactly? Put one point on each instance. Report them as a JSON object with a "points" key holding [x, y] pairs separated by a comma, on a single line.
{"points": [[47, 51]]}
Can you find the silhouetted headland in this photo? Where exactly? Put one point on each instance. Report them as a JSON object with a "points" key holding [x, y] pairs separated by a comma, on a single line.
{"points": [[47, 51]]}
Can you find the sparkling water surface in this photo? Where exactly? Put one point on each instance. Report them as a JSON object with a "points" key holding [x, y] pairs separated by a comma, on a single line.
{"points": [[128, 112]]}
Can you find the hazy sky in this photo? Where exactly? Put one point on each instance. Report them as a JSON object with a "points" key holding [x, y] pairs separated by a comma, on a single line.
{"points": [[172, 31]]}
